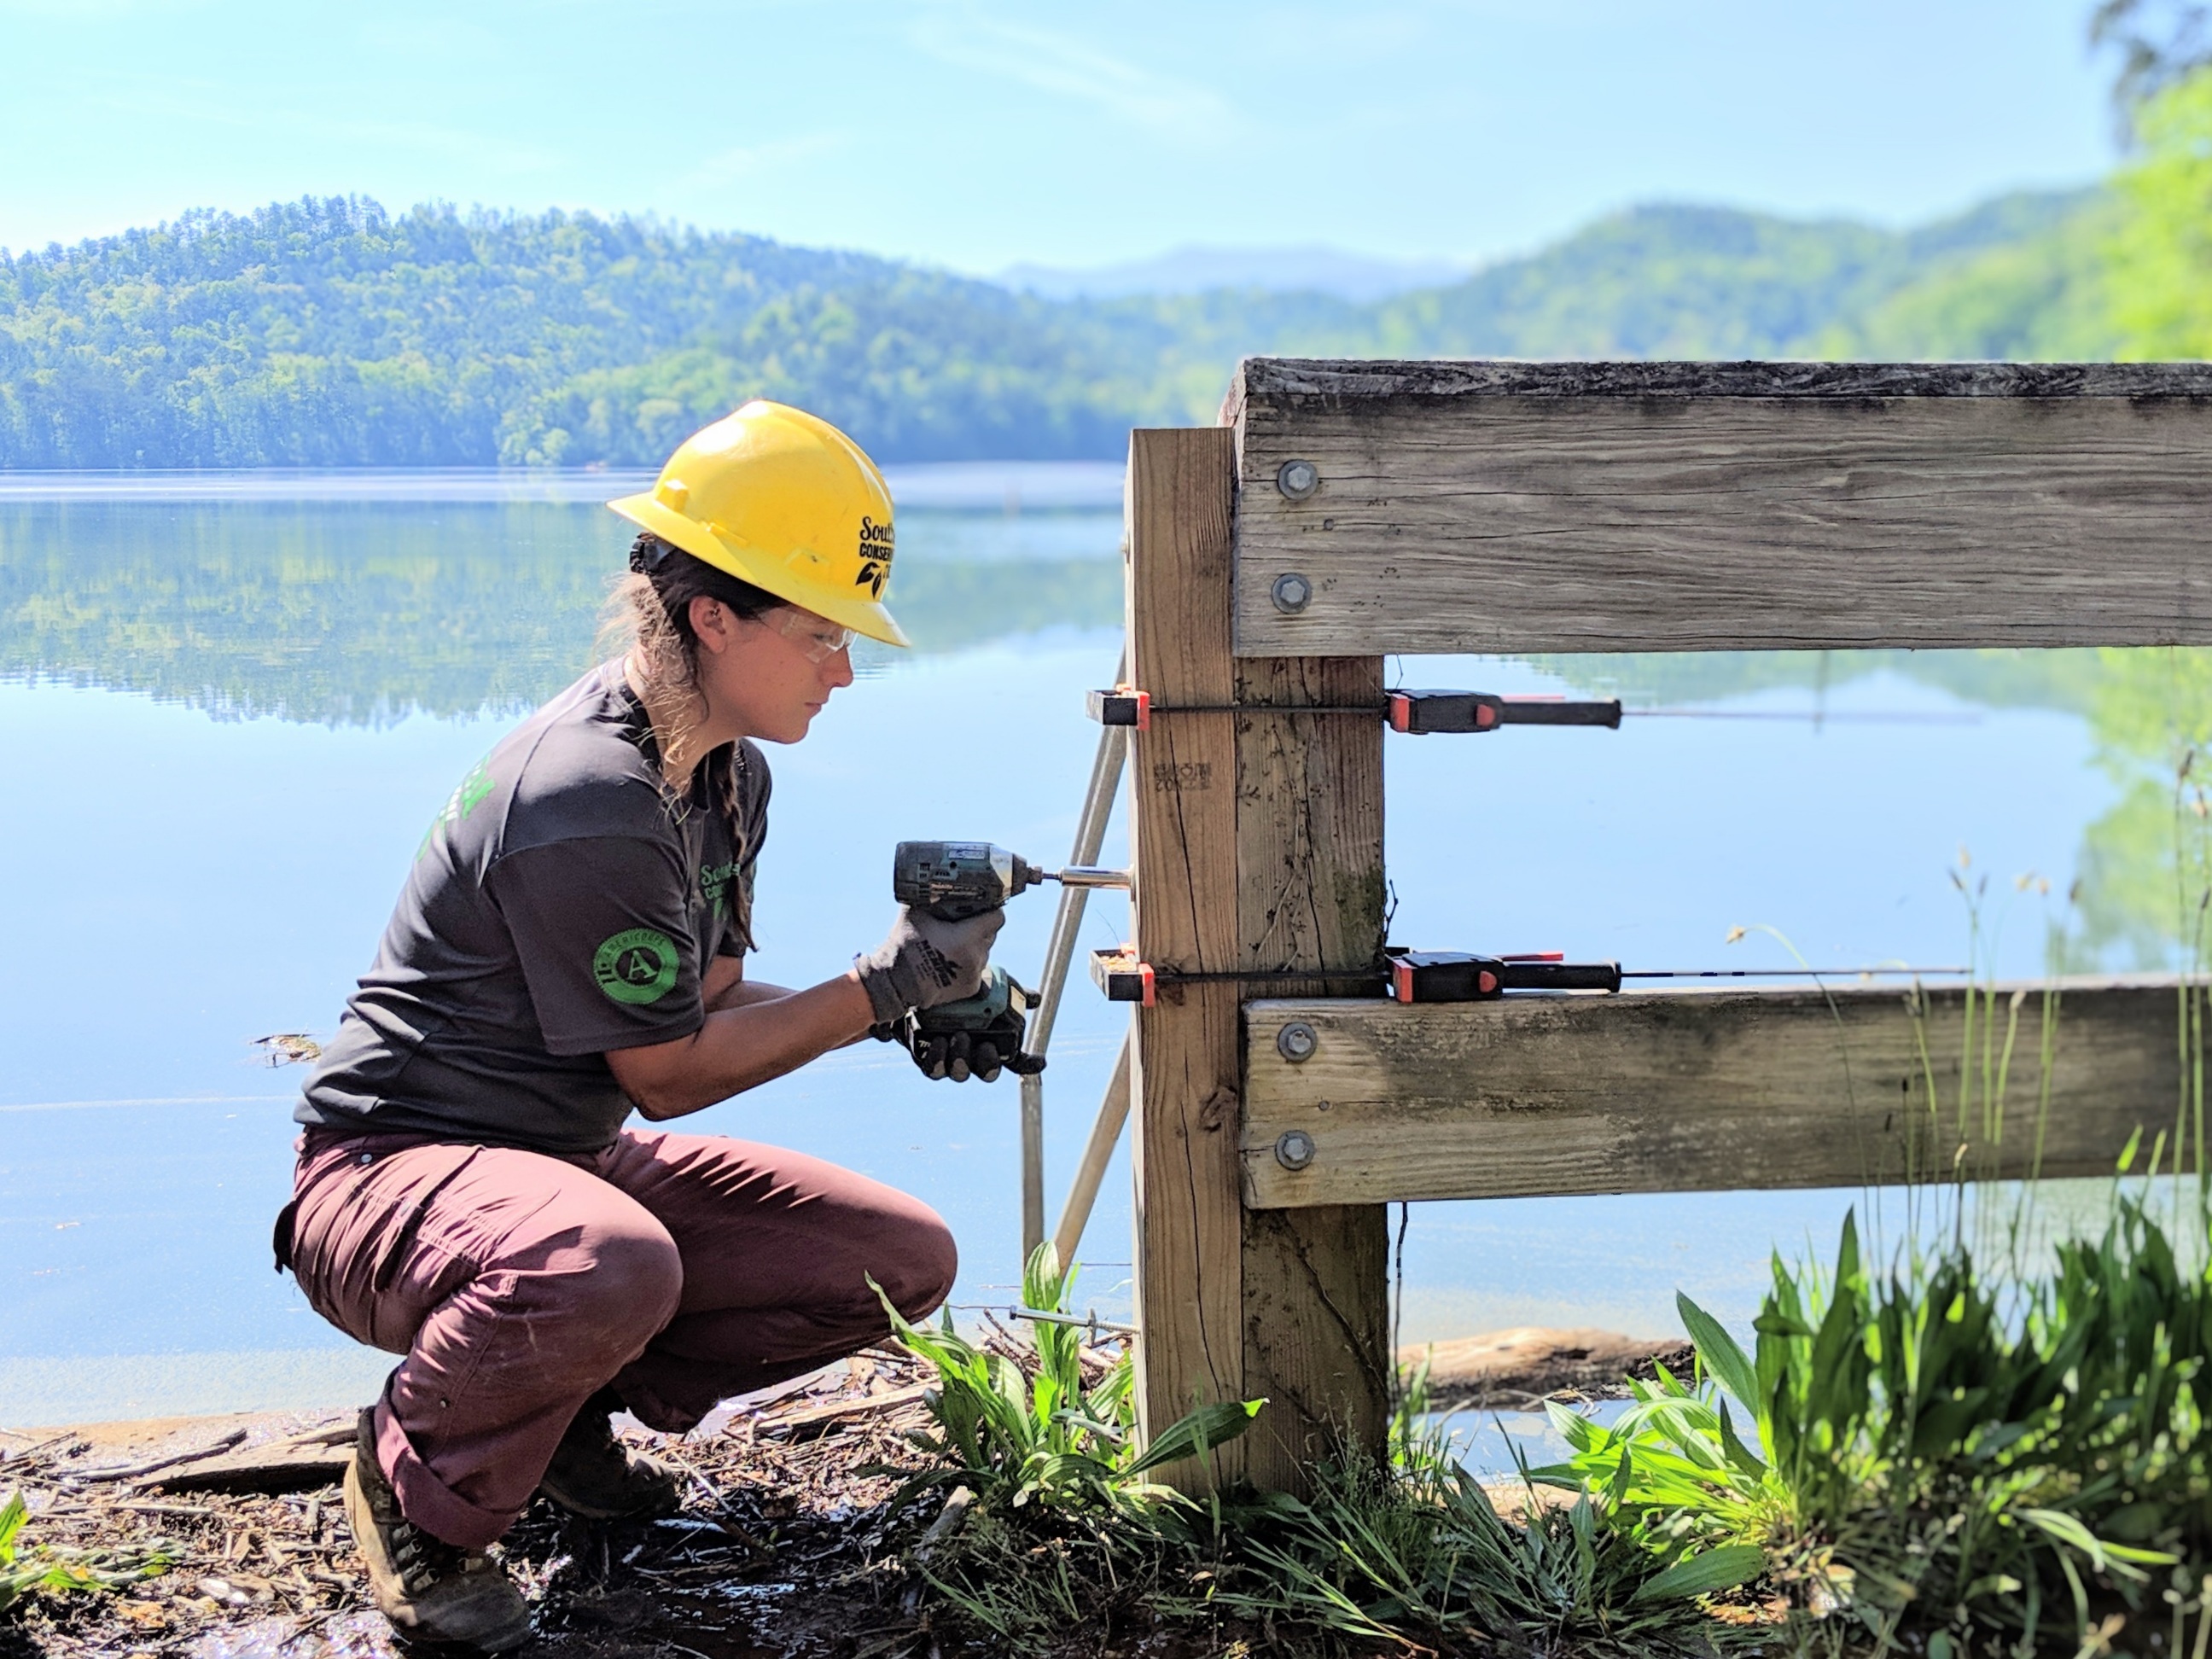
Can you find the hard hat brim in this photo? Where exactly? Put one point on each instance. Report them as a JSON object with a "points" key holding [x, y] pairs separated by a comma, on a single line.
{"points": [[866, 616]]}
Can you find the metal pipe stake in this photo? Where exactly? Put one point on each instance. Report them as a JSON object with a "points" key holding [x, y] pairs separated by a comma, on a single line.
{"points": [[1097, 1153], [1067, 923]]}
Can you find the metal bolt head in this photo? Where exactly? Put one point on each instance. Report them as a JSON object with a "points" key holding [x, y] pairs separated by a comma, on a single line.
{"points": [[1294, 1149], [1296, 1042], [1298, 479], [1291, 593]]}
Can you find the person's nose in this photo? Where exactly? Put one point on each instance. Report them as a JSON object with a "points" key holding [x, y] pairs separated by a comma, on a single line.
{"points": [[837, 668]]}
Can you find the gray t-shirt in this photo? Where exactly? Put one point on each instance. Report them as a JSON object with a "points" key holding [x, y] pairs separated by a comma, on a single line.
{"points": [[564, 903]]}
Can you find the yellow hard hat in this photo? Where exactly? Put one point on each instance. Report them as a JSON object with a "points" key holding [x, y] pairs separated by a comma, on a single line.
{"points": [[783, 499]]}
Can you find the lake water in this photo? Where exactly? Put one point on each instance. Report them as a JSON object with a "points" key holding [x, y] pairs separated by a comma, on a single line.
{"points": [[228, 707]]}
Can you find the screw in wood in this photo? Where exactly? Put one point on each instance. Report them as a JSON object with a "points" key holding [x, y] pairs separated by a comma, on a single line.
{"points": [[1296, 1042], [1291, 593], [1298, 479], [1294, 1149]]}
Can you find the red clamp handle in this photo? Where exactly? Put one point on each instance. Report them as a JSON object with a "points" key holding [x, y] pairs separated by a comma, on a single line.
{"points": [[1445, 711], [1123, 978], [1123, 705]]}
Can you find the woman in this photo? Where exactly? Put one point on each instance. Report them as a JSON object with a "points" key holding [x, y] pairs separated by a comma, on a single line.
{"points": [[570, 944]]}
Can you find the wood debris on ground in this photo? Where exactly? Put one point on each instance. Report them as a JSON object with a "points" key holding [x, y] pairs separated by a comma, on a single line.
{"points": [[1518, 1370], [783, 1545]]}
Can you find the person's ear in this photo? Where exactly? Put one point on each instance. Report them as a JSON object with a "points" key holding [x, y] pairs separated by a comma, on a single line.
{"points": [[713, 625]]}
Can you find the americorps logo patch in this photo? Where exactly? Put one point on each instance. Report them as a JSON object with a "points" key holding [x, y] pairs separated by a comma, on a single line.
{"points": [[636, 966]]}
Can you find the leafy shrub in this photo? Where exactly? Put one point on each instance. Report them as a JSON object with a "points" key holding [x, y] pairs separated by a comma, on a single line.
{"points": [[1419, 1556], [1015, 1435], [1064, 1531], [1930, 1446]]}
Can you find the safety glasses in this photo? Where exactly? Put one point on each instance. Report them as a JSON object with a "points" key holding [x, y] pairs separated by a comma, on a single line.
{"points": [[820, 640]]}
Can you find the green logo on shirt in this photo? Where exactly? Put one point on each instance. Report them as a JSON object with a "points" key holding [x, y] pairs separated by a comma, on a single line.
{"points": [[638, 966], [714, 881], [467, 796]]}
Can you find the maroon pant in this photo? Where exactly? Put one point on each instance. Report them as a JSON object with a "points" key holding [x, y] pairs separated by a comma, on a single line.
{"points": [[682, 1270]]}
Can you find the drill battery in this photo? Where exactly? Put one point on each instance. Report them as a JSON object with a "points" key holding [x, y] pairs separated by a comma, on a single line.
{"points": [[975, 1036]]}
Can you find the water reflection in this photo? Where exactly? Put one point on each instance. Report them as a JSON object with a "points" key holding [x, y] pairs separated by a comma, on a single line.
{"points": [[1988, 680], [2141, 864], [362, 613]]}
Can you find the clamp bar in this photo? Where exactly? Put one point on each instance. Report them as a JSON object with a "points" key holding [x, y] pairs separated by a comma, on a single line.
{"points": [[1418, 713], [1444, 976], [1124, 978], [1125, 705]]}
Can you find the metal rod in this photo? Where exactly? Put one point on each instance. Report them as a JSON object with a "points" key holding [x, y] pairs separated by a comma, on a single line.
{"points": [[1097, 1153], [1780, 973], [1811, 717], [1066, 922], [1032, 1162], [1089, 876], [1091, 1323], [1377, 710], [1268, 975], [1372, 710]]}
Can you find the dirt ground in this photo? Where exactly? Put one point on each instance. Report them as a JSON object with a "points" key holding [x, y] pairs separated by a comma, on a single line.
{"points": [[784, 1545], [781, 1548]]}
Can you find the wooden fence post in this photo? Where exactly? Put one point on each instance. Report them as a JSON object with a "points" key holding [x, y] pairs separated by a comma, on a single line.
{"points": [[1186, 1059], [1310, 894], [1257, 839]]}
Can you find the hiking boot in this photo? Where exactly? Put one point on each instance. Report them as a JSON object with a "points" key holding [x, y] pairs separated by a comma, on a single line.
{"points": [[429, 1589], [594, 1475]]}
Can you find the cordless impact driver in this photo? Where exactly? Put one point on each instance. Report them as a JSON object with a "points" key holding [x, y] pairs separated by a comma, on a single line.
{"points": [[952, 880]]}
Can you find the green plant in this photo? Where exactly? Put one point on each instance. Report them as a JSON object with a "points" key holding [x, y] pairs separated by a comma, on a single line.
{"points": [[1933, 1448], [1417, 1555], [22, 1571], [1064, 1530], [1062, 1527], [1017, 1435]]}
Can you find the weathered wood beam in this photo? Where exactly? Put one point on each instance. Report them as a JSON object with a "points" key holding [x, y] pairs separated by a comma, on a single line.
{"points": [[1706, 507], [1185, 1058], [1705, 1090], [1309, 894]]}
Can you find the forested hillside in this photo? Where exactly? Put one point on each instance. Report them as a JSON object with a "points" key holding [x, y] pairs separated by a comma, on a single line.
{"points": [[332, 333]]}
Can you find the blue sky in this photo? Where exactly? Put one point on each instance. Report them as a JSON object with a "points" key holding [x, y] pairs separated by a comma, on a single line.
{"points": [[974, 134]]}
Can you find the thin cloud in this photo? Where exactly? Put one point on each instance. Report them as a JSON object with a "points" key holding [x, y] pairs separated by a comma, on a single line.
{"points": [[747, 160], [1073, 68], [79, 11], [428, 137]]}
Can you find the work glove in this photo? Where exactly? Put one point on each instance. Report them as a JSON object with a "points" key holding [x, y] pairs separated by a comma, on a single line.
{"points": [[960, 1055], [924, 960]]}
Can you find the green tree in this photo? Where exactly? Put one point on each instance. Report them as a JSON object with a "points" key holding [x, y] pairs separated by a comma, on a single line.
{"points": [[332, 333], [2160, 42], [2162, 254]]}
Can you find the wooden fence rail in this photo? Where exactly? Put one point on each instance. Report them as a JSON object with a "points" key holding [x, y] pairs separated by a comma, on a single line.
{"points": [[1721, 507], [1702, 1091]]}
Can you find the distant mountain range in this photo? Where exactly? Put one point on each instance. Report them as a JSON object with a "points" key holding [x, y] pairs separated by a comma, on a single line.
{"points": [[332, 333], [1312, 269]]}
